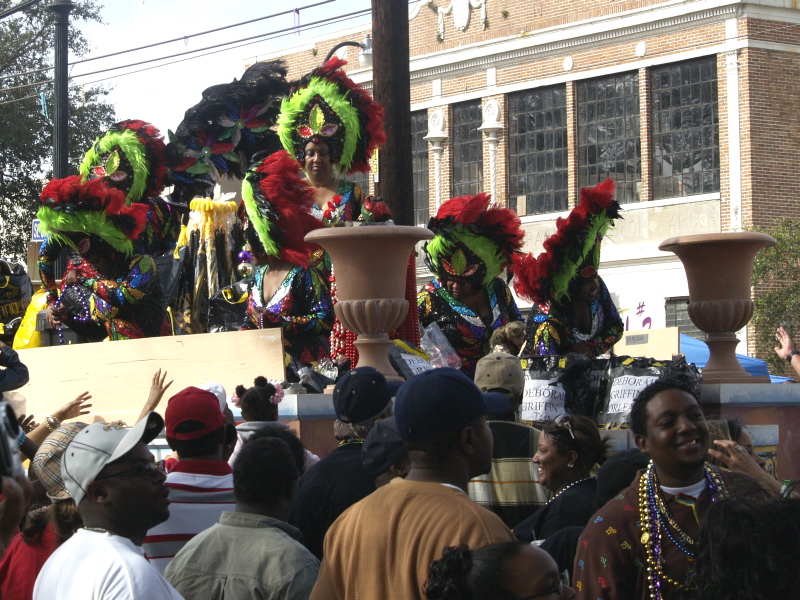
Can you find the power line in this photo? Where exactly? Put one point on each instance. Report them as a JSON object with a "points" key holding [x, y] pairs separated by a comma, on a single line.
{"points": [[178, 39], [256, 38], [334, 20], [18, 7]]}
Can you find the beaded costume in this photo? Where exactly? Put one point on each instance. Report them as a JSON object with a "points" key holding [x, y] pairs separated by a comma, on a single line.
{"points": [[550, 330], [467, 332], [278, 205], [93, 218], [327, 107], [474, 242], [301, 305], [570, 260]]}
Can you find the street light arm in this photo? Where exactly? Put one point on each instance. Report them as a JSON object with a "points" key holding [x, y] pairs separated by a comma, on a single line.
{"points": [[342, 45]]}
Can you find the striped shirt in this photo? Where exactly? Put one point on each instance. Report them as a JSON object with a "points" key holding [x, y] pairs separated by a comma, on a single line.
{"points": [[200, 491]]}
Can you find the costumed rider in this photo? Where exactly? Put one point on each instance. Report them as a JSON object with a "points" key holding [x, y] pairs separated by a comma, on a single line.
{"points": [[130, 157], [573, 310], [96, 222], [285, 291], [332, 126], [474, 243]]}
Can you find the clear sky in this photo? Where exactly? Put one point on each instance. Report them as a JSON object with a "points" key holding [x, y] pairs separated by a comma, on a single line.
{"points": [[161, 95]]}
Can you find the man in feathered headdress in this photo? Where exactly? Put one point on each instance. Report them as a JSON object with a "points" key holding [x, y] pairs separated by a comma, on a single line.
{"points": [[473, 244], [575, 312], [120, 289], [286, 292]]}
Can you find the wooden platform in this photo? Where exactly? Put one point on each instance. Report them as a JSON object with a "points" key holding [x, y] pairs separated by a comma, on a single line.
{"points": [[118, 374]]}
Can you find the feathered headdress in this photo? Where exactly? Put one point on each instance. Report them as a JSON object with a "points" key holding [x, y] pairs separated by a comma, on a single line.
{"points": [[221, 134], [572, 251], [129, 156], [327, 106], [71, 206], [473, 241], [278, 204]]}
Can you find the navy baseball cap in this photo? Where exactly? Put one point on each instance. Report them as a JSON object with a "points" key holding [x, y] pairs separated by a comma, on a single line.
{"points": [[440, 401], [361, 394], [382, 447]]}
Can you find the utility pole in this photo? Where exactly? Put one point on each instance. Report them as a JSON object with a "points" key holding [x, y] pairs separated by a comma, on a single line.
{"points": [[392, 90], [61, 10]]}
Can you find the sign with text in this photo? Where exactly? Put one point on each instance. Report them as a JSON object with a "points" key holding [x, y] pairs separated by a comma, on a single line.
{"points": [[36, 235], [624, 390], [542, 400]]}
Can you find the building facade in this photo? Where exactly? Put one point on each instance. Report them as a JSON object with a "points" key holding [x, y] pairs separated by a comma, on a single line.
{"points": [[691, 106]]}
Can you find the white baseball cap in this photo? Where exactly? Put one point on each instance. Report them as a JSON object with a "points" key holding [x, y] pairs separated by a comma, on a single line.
{"points": [[99, 444]]}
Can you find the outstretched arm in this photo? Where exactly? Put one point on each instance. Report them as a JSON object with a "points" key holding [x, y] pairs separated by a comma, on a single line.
{"points": [[786, 349]]}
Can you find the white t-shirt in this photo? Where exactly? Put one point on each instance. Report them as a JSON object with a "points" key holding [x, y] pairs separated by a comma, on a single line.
{"points": [[100, 566]]}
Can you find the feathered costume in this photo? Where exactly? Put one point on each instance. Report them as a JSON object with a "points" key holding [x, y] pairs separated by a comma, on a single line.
{"points": [[474, 242], [570, 259], [327, 107], [129, 157], [95, 219], [218, 138], [278, 206]]}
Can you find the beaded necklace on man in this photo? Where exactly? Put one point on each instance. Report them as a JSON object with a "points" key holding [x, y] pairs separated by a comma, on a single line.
{"points": [[655, 516]]}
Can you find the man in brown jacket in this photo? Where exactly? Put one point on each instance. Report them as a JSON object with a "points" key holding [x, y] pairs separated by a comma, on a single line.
{"points": [[382, 546]]}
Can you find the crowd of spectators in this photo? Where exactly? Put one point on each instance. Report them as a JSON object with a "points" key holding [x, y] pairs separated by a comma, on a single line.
{"points": [[436, 490]]}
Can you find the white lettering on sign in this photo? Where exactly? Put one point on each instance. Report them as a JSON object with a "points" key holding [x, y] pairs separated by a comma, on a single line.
{"points": [[417, 364], [635, 340], [36, 235], [542, 400], [624, 390]]}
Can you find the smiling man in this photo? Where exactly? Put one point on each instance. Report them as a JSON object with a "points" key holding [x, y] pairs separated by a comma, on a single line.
{"points": [[121, 493], [641, 543]]}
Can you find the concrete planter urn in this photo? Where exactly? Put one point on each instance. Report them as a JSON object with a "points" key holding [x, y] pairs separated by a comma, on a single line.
{"points": [[718, 268], [370, 263]]}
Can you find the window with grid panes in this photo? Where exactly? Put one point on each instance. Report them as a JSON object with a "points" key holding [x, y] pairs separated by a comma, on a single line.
{"points": [[678, 316], [537, 150], [608, 133], [685, 128], [419, 165], [467, 149]]}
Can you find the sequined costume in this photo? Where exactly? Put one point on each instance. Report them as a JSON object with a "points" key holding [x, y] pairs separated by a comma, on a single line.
{"points": [[467, 332], [131, 306], [551, 330], [569, 263], [346, 206], [301, 306]]}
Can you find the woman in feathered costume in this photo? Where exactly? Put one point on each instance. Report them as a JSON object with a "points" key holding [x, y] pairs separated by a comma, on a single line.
{"points": [[474, 243], [332, 126], [575, 312], [286, 292], [120, 288]]}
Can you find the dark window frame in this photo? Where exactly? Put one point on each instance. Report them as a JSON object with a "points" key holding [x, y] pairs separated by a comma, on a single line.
{"points": [[538, 150], [685, 128], [419, 166], [467, 148], [609, 133]]}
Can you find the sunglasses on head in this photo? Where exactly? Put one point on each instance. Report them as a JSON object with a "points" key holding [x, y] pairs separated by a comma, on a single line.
{"points": [[564, 422]]}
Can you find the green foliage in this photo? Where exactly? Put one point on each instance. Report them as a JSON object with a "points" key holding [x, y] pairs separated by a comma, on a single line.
{"points": [[776, 276], [26, 135]]}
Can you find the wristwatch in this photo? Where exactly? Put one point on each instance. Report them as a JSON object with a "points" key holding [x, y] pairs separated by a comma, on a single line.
{"points": [[791, 354]]}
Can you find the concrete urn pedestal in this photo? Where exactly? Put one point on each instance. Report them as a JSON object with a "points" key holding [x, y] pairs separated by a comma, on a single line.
{"points": [[718, 268], [370, 263]]}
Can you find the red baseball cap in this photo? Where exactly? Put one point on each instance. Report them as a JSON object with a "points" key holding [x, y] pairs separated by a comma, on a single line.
{"points": [[193, 404]]}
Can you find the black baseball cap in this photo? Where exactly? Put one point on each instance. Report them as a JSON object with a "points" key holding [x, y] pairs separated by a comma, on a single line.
{"points": [[382, 447], [440, 401], [361, 395]]}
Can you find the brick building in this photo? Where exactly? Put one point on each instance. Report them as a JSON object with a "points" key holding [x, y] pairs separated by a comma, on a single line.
{"points": [[691, 106]]}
